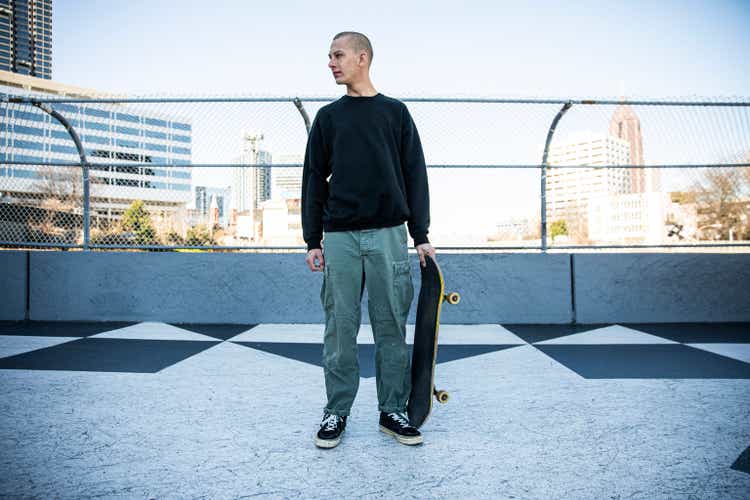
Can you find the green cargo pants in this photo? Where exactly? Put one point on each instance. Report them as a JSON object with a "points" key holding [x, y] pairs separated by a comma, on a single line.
{"points": [[377, 259]]}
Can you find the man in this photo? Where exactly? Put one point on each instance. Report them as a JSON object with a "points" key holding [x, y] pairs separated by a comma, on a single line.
{"points": [[364, 176]]}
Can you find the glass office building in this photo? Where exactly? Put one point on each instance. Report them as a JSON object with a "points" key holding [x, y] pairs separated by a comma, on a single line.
{"points": [[134, 154], [26, 37]]}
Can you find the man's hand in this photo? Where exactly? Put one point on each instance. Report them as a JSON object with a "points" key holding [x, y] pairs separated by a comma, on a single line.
{"points": [[425, 249], [315, 260]]}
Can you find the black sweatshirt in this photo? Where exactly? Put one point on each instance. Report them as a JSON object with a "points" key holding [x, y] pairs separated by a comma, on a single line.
{"points": [[370, 148]]}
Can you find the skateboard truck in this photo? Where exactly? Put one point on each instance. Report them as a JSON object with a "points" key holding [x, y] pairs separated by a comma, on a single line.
{"points": [[441, 396], [452, 298]]}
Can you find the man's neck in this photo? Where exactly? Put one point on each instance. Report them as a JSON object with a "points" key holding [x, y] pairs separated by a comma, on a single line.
{"points": [[361, 89]]}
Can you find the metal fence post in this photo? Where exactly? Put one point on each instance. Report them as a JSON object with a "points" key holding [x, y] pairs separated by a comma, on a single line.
{"points": [[301, 108], [551, 132], [84, 167]]}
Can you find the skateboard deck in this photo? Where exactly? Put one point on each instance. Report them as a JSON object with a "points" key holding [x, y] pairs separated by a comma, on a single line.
{"points": [[431, 297]]}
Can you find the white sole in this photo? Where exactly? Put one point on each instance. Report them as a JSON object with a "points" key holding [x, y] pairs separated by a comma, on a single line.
{"points": [[327, 443], [411, 441]]}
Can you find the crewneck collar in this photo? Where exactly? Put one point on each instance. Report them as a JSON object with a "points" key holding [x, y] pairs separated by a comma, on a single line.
{"points": [[362, 97]]}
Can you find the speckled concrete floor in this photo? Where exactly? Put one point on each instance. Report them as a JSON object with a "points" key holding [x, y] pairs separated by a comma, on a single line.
{"points": [[152, 410]]}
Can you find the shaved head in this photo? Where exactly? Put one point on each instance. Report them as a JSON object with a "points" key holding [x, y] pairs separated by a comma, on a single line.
{"points": [[358, 42]]}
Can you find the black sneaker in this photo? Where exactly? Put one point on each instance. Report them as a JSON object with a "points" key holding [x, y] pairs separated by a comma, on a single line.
{"points": [[330, 431], [398, 426]]}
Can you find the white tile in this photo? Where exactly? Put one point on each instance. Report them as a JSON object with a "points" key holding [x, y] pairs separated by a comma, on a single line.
{"points": [[313, 333], [457, 334], [278, 332], [614, 334], [366, 336], [10, 345], [740, 352], [152, 331]]}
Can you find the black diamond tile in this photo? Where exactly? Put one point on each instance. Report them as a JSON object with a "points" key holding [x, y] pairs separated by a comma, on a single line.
{"points": [[217, 331], [313, 353], [60, 328], [645, 361], [539, 333], [697, 332], [108, 355], [450, 352], [742, 463]]}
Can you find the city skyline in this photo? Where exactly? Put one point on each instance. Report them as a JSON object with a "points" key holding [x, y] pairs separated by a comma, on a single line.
{"points": [[452, 134]]}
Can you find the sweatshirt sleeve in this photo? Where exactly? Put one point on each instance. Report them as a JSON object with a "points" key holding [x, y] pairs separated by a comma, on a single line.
{"points": [[315, 173], [415, 177]]}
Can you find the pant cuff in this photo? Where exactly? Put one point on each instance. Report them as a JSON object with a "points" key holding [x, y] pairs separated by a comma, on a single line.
{"points": [[392, 409], [339, 413]]}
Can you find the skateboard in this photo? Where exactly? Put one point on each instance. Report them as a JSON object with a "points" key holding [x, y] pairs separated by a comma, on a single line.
{"points": [[431, 297]]}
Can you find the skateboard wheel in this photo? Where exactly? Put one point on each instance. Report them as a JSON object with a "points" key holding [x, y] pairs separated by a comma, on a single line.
{"points": [[442, 396], [453, 298]]}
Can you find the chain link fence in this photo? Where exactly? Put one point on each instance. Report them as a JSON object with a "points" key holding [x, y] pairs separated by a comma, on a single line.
{"points": [[224, 173]]}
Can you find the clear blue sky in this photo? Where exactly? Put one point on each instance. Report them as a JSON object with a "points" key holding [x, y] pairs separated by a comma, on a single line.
{"points": [[649, 49], [557, 49]]}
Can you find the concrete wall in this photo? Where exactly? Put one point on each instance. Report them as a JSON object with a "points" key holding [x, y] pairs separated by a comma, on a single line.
{"points": [[13, 285], [278, 288], [657, 288], [255, 288], [174, 287], [505, 288]]}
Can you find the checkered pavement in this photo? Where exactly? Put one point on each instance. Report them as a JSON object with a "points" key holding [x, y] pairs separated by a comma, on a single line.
{"points": [[634, 351]]}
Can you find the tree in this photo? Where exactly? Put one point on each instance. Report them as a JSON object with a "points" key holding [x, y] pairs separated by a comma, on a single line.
{"points": [[558, 228], [722, 203], [60, 202], [174, 238], [137, 220], [61, 187], [199, 236]]}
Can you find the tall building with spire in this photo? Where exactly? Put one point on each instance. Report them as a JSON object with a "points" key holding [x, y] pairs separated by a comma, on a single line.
{"points": [[626, 125], [214, 212], [26, 37]]}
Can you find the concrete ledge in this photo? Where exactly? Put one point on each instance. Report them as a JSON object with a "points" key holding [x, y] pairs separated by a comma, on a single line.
{"points": [[13, 284], [173, 287], [505, 288], [278, 288], [661, 288], [275, 288]]}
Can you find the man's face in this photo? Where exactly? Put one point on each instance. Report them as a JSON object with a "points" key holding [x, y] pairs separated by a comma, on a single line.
{"points": [[343, 61]]}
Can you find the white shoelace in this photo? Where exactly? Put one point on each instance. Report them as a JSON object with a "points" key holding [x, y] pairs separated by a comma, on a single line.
{"points": [[400, 418], [330, 422]]}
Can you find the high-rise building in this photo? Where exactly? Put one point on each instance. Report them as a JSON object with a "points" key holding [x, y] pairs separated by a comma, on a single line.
{"points": [[625, 125], [262, 177], [570, 189], [251, 185], [26, 37]]}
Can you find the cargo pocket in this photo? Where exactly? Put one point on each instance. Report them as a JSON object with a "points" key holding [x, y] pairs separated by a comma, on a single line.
{"points": [[403, 288], [325, 290]]}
